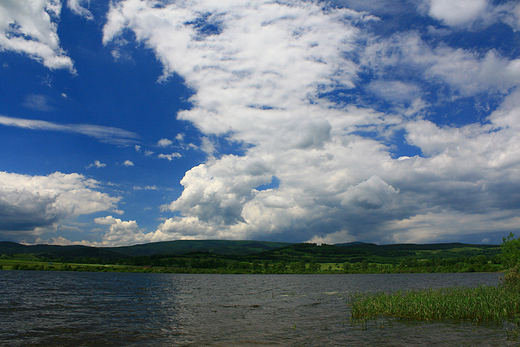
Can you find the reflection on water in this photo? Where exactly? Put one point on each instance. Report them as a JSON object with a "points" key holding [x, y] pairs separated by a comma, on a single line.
{"points": [[126, 309]]}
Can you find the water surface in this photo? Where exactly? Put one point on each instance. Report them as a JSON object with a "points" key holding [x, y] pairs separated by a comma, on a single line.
{"points": [[133, 309]]}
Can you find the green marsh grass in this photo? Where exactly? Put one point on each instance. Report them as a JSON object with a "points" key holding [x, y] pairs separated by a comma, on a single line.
{"points": [[460, 303]]}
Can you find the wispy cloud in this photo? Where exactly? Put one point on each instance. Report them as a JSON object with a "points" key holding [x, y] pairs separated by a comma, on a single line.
{"points": [[101, 133], [169, 156], [77, 8], [33, 30], [38, 102], [96, 164], [154, 187]]}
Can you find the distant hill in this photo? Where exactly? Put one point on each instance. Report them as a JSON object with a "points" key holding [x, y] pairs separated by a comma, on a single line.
{"points": [[53, 251], [429, 246], [260, 250], [425, 251], [358, 251], [355, 243], [224, 247], [412, 247]]}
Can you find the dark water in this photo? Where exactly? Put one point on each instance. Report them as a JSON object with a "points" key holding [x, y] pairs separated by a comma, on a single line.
{"points": [[121, 309]]}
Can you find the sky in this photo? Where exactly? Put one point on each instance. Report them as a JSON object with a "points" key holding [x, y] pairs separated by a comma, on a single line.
{"points": [[132, 121]]}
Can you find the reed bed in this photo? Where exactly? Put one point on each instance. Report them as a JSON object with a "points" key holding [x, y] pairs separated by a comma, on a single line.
{"points": [[459, 303]]}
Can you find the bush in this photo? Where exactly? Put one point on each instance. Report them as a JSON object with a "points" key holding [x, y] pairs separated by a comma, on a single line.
{"points": [[512, 277], [511, 259], [510, 251]]}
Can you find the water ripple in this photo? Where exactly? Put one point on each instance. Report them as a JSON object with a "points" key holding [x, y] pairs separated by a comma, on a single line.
{"points": [[110, 309]]}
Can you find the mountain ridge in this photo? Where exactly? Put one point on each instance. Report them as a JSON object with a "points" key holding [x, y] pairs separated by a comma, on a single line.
{"points": [[177, 247]]}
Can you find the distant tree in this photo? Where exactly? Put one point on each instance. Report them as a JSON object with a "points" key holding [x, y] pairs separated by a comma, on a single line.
{"points": [[482, 260], [266, 265], [314, 267], [302, 266], [280, 267], [255, 265]]}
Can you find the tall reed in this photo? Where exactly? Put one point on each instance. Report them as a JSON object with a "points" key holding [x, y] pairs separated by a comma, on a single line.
{"points": [[459, 303]]}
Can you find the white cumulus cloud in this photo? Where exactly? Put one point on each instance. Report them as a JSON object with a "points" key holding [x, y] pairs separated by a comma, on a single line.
{"points": [[32, 205], [464, 14], [259, 78], [120, 233], [164, 143], [456, 12]]}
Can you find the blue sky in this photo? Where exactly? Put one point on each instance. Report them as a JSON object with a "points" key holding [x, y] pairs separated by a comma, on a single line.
{"points": [[131, 121]]}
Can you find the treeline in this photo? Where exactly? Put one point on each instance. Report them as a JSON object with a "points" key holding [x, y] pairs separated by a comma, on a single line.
{"points": [[437, 265], [208, 263], [202, 267], [256, 267]]}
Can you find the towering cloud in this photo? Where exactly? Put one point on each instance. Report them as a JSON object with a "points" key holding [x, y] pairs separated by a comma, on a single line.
{"points": [[266, 76]]}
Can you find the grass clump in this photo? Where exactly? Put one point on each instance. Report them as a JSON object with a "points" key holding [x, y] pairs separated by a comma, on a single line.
{"points": [[459, 303], [495, 303]]}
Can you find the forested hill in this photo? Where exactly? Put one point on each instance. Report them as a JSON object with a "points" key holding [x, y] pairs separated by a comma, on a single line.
{"points": [[223, 247], [262, 251], [358, 252]]}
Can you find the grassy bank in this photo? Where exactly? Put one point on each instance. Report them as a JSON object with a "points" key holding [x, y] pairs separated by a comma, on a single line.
{"points": [[500, 304], [496, 303], [475, 304]]}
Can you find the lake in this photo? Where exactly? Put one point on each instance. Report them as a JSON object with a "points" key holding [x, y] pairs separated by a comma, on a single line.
{"points": [[139, 309]]}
